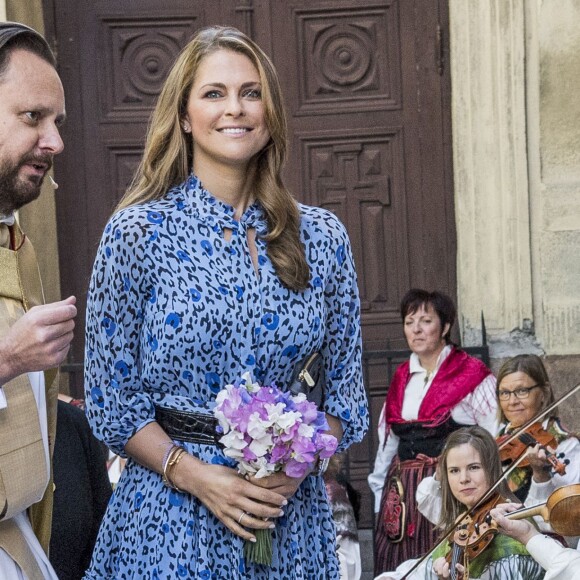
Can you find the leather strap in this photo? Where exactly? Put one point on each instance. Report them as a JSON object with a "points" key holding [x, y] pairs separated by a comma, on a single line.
{"points": [[191, 427]]}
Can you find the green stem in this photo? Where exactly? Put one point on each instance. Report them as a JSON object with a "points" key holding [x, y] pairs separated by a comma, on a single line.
{"points": [[260, 551]]}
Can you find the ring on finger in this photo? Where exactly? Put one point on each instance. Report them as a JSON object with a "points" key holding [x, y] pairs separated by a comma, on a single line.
{"points": [[242, 517]]}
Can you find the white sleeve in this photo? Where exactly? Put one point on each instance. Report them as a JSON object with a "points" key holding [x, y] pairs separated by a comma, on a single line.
{"points": [[540, 492], [385, 453], [348, 551], [480, 407], [560, 563], [428, 497], [420, 572]]}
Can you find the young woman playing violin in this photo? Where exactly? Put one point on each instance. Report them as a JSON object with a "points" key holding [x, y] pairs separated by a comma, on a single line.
{"points": [[469, 465], [524, 391]]}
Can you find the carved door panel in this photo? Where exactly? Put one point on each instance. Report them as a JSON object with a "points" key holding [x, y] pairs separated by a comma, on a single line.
{"points": [[368, 105], [368, 101]]}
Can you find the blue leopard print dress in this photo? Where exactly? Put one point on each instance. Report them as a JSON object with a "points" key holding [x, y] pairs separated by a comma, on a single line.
{"points": [[174, 313]]}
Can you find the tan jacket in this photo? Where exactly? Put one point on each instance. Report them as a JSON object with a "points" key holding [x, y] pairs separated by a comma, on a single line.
{"points": [[22, 458]]}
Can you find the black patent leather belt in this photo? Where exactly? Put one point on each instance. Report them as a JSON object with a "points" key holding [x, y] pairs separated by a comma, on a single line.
{"points": [[190, 427]]}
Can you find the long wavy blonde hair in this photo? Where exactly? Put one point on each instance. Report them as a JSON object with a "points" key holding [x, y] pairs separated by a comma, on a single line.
{"points": [[168, 156]]}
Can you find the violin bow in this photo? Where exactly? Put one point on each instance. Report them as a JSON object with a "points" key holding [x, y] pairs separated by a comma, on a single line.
{"points": [[466, 514], [539, 416]]}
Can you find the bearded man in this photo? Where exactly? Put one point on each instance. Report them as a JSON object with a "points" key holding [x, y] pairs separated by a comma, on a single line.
{"points": [[34, 337]]}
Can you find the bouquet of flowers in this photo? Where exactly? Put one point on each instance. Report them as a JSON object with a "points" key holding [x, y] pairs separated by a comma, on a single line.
{"points": [[268, 430]]}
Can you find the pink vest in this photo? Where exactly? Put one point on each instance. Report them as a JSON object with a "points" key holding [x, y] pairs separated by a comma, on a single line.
{"points": [[458, 376]]}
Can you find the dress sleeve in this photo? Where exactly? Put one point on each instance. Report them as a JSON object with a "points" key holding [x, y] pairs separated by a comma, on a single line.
{"points": [[560, 563], [342, 348], [385, 453], [117, 406], [348, 551], [424, 571]]}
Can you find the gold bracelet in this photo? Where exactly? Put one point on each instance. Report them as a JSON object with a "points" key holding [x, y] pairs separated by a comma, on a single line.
{"points": [[171, 456], [172, 465]]}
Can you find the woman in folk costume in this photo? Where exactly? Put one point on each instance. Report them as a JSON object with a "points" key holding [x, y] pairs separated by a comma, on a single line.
{"points": [[438, 390], [524, 390], [469, 466]]}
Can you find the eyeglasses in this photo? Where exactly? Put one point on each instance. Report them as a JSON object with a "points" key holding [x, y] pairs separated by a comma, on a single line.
{"points": [[521, 393]]}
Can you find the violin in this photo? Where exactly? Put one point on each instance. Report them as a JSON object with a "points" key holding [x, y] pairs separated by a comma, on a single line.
{"points": [[513, 446], [472, 536]]}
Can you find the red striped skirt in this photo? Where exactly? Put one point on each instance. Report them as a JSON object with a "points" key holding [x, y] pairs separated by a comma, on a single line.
{"points": [[419, 535]]}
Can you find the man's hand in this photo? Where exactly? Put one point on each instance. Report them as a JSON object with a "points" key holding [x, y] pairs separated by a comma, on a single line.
{"points": [[39, 340], [520, 530]]}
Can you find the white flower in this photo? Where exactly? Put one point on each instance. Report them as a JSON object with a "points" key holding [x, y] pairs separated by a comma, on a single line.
{"points": [[263, 468], [222, 420], [250, 385], [233, 440], [222, 395], [262, 445], [246, 467], [274, 411], [306, 430], [257, 427], [233, 453], [288, 420]]}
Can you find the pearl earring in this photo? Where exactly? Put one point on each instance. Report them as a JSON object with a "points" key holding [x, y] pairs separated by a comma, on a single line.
{"points": [[186, 128]]}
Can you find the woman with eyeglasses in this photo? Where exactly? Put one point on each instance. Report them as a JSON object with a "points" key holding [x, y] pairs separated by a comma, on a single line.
{"points": [[523, 391]]}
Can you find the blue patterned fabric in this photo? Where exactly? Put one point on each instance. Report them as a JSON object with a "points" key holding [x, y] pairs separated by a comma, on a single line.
{"points": [[174, 313]]}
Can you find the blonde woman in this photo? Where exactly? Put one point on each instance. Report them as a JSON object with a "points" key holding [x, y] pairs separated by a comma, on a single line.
{"points": [[209, 268]]}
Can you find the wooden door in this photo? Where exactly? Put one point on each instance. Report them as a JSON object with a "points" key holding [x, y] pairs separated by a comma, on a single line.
{"points": [[368, 100]]}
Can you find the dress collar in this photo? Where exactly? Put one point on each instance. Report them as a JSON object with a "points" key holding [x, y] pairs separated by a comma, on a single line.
{"points": [[218, 214]]}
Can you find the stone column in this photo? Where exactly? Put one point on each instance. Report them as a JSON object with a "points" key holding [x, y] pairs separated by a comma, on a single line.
{"points": [[490, 172]]}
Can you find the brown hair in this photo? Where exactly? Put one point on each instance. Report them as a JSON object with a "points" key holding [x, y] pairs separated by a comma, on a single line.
{"points": [[168, 156], [531, 365], [484, 443], [441, 304]]}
